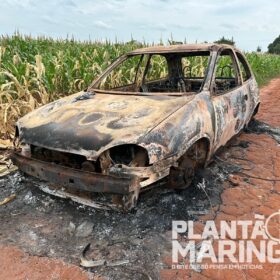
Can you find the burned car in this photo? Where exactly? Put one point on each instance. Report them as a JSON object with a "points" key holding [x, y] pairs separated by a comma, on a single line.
{"points": [[156, 112]]}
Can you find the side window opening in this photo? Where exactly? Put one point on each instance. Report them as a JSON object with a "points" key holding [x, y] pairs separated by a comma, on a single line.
{"points": [[244, 68], [226, 75]]}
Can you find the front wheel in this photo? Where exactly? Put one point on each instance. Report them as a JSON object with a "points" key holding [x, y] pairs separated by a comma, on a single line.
{"points": [[181, 176]]}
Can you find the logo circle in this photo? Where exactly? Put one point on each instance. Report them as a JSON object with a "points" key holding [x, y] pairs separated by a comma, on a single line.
{"points": [[270, 222]]}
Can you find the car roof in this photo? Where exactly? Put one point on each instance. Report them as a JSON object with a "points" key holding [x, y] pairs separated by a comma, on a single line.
{"points": [[180, 48]]}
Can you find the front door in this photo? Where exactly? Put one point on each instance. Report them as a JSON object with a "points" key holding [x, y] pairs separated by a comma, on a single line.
{"points": [[228, 97]]}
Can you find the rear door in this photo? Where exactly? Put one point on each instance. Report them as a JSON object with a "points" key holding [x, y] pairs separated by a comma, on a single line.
{"points": [[249, 84], [229, 98]]}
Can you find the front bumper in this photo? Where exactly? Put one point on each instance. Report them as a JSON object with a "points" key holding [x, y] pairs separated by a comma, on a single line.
{"points": [[74, 178]]}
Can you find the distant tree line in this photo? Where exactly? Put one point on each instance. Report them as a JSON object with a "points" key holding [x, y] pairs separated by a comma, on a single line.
{"points": [[274, 47], [224, 40]]}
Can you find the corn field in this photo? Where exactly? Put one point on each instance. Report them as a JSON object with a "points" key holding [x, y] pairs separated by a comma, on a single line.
{"points": [[34, 72]]}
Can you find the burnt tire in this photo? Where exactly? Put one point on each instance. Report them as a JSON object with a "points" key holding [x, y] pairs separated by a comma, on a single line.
{"points": [[181, 176]]}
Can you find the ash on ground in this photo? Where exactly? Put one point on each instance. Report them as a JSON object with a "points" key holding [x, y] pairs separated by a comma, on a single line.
{"points": [[44, 225]]}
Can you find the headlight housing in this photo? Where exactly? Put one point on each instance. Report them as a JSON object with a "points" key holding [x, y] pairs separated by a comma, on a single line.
{"points": [[128, 154]]}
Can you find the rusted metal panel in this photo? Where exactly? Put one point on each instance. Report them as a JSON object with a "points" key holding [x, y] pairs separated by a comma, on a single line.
{"points": [[180, 48], [89, 127], [75, 179]]}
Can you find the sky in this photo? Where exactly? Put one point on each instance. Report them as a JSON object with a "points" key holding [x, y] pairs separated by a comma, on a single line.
{"points": [[251, 23]]}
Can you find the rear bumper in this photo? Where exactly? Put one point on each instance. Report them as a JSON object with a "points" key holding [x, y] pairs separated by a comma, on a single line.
{"points": [[74, 178]]}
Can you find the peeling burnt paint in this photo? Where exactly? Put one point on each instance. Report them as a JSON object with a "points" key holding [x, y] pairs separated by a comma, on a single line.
{"points": [[84, 96], [65, 137], [163, 131]]}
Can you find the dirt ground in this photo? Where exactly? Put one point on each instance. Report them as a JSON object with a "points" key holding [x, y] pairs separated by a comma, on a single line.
{"points": [[42, 237]]}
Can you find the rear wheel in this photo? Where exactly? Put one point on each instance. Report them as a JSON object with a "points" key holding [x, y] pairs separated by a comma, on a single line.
{"points": [[182, 175]]}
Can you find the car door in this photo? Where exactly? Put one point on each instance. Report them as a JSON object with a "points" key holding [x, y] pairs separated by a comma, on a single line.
{"points": [[250, 86], [228, 98]]}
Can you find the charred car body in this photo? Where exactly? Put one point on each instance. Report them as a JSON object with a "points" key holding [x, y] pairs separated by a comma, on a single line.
{"points": [[155, 112]]}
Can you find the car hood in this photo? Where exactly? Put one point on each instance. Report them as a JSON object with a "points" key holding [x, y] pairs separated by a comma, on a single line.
{"points": [[87, 124]]}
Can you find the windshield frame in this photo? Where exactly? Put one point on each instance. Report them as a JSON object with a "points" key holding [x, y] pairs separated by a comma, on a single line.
{"points": [[122, 58]]}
